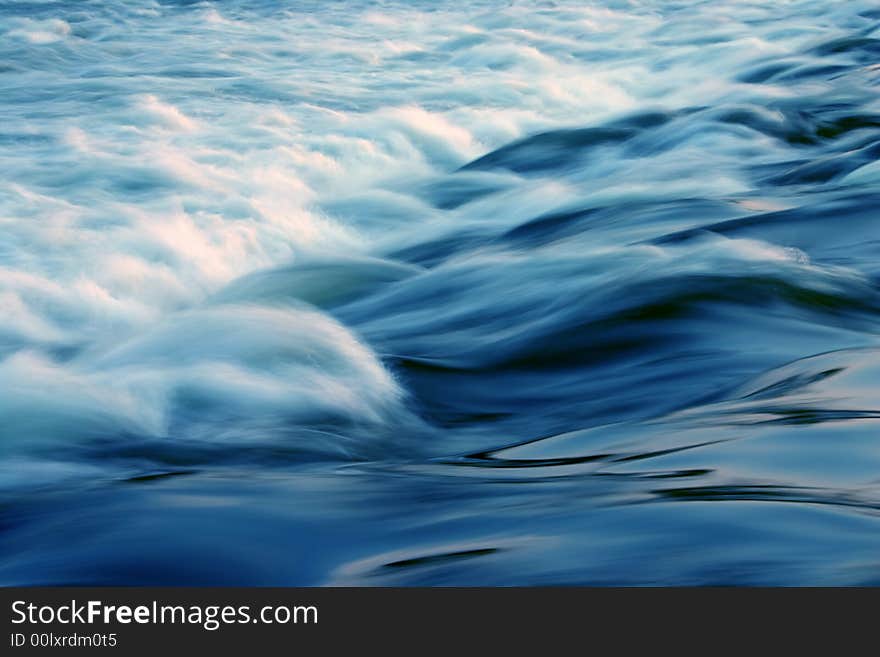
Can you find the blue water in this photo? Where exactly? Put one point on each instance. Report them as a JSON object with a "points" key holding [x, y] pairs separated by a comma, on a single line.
{"points": [[440, 293]]}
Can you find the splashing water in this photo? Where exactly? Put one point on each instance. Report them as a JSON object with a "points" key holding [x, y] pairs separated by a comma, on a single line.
{"points": [[434, 293]]}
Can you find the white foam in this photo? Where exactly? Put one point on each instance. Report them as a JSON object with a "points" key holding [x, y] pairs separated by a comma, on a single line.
{"points": [[237, 372], [160, 153], [41, 32], [165, 114]]}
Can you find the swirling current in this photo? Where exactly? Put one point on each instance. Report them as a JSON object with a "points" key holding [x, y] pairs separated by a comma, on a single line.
{"points": [[438, 293]]}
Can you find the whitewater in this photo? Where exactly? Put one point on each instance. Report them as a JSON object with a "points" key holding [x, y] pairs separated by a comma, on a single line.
{"points": [[437, 293]]}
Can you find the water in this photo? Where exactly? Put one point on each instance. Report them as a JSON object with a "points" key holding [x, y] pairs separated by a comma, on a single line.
{"points": [[434, 293]]}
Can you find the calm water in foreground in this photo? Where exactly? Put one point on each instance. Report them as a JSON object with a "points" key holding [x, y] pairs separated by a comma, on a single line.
{"points": [[440, 293]]}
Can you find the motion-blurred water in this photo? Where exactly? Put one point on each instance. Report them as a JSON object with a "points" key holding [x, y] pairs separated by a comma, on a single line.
{"points": [[479, 293]]}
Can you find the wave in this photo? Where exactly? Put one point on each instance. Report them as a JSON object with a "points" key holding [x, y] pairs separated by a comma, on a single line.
{"points": [[529, 292]]}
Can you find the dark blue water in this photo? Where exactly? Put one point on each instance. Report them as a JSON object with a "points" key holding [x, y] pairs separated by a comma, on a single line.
{"points": [[425, 294]]}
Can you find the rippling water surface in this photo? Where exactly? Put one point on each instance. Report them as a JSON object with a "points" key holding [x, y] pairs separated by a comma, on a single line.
{"points": [[440, 293]]}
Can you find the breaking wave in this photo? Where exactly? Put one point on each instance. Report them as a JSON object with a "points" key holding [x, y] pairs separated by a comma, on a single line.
{"points": [[517, 293]]}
